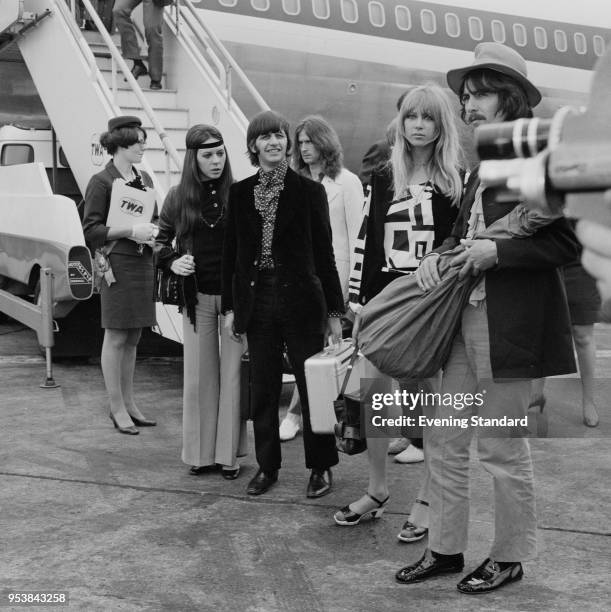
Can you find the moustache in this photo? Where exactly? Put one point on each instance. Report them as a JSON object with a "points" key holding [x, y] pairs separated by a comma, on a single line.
{"points": [[472, 118]]}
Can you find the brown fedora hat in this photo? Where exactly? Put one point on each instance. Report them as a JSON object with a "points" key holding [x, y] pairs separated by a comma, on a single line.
{"points": [[498, 57]]}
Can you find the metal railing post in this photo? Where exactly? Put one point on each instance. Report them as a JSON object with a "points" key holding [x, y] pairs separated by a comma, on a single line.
{"points": [[46, 335]]}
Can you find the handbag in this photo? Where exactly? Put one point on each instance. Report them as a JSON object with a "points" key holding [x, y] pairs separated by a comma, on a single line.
{"points": [[349, 432], [102, 270], [408, 333], [172, 289], [176, 290]]}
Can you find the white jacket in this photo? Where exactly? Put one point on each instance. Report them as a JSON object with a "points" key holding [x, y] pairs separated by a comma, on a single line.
{"points": [[346, 200]]}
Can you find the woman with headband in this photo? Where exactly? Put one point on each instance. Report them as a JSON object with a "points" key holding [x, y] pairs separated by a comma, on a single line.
{"points": [[194, 214]]}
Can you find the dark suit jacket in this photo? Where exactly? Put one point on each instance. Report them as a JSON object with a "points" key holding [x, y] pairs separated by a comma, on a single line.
{"points": [[528, 319], [308, 283], [97, 203]]}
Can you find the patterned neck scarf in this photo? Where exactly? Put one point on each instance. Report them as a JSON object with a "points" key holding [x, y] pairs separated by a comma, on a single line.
{"points": [[267, 193]]}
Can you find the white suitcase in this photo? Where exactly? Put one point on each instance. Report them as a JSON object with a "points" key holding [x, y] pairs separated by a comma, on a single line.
{"points": [[324, 373]]}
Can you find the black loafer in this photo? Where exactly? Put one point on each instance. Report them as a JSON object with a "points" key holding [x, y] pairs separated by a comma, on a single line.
{"points": [[261, 482], [155, 85], [143, 422], [489, 576], [320, 483], [431, 564]]}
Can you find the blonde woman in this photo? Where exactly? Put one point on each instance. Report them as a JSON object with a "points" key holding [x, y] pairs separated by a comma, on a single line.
{"points": [[414, 203]]}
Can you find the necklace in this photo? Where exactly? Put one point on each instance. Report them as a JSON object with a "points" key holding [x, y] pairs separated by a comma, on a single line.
{"points": [[215, 223], [215, 205]]}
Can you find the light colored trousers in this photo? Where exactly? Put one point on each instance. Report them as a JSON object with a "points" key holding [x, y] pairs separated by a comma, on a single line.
{"points": [[507, 459], [212, 430], [153, 18]]}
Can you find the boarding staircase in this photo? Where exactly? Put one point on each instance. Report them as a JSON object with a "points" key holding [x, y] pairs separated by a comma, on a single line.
{"points": [[82, 81]]}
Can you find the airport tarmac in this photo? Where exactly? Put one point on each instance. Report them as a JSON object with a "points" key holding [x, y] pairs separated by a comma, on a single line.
{"points": [[118, 523]]}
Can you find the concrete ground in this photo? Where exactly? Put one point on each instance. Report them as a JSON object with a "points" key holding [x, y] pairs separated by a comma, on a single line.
{"points": [[119, 523]]}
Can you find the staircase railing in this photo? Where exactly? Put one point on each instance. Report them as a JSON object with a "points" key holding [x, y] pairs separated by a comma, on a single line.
{"points": [[217, 62], [117, 60]]}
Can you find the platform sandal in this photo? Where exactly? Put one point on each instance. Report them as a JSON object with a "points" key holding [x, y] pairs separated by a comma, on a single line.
{"points": [[347, 517]]}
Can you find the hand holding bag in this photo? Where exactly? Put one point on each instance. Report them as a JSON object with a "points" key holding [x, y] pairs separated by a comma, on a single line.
{"points": [[408, 333], [176, 290], [349, 431]]}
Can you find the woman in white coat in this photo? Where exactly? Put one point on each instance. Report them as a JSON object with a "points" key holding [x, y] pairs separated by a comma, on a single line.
{"points": [[318, 155]]}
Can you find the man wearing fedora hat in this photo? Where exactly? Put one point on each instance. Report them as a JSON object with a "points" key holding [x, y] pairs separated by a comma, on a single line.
{"points": [[515, 327]]}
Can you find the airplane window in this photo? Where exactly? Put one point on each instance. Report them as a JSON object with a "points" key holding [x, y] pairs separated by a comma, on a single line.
{"points": [[403, 17], [429, 21], [229, 3], [16, 154], [291, 7], [519, 34], [376, 14], [350, 11], [476, 28], [321, 9], [452, 25], [599, 45], [260, 5], [581, 46], [498, 31], [540, 37], [560, 40]]}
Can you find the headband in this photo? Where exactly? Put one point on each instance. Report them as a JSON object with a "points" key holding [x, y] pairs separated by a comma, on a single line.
{"points": [[210, 145]]}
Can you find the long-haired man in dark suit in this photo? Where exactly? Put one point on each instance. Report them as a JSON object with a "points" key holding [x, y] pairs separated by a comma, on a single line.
{"points": [[280, 287]]}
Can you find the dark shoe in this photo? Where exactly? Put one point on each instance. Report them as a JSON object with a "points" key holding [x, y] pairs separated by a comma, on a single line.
{"points": [[489, 576], [143, 422], [431, 564], [131, 430], [347, 517], [261, 482], [139, 70], [155, 85], [319, 485], [198, 470], [230, 473]]}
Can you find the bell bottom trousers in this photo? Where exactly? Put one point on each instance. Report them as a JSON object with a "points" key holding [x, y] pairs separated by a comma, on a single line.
{"points": [[506, 459], [213, 431]]}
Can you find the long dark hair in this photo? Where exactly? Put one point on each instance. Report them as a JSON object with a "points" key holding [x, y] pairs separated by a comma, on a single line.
{"points": [[190, 190], [513, 101], [325, 139]]}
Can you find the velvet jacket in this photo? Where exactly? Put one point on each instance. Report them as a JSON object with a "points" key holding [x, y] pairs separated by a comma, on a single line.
{"points": [[528, 318], [308, 283]]}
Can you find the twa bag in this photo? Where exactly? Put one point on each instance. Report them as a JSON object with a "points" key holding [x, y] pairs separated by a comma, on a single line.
{"points": [[408, 333], [130, 205]]}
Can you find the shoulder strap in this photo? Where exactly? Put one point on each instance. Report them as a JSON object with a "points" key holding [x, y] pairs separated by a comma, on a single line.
{"points": [[353, 359]]}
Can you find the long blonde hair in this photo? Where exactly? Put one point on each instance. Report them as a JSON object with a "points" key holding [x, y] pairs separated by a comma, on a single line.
{"points": [[445, 162]]}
